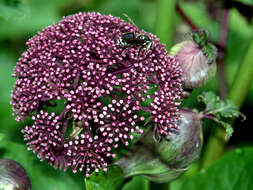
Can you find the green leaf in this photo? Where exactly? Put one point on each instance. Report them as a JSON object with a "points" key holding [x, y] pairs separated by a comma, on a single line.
{"points": [[7, 120], [218, 107], [112, 179], [137, 183], [211, 52], [233, 171], [228, 127], [11, 9], [42, 175], [200, 37], [246, 2], [2, 137], [220, 110]]}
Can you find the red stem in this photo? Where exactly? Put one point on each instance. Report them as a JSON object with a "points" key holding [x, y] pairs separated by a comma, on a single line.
{"points": [[224, 29], [186, 18], [64, 128], [221, 61], [195, 27], [209, 116]]}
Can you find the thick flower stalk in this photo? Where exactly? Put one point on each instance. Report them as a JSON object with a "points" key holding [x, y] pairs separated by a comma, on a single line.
{"points": [[104, 86]]}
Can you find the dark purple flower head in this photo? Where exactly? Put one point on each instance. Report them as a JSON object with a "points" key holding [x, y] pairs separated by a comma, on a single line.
{"points": [[104, 87]]}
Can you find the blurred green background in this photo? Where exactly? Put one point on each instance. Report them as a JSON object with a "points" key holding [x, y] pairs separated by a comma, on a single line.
{"points": [[20, 20]]}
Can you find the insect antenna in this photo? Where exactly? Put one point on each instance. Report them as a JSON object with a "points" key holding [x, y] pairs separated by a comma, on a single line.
{"points": [[130, 20]]}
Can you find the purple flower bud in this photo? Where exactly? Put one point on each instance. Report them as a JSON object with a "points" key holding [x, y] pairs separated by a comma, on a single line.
{"points": [[197, 69], [103, 82], [13, 176]]}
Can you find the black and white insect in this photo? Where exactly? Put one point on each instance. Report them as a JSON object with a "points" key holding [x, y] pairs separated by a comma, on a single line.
{"points": [[130, 39]]}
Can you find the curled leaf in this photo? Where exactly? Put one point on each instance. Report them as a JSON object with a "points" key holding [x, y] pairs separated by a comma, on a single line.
{"points": [[220, 110]]}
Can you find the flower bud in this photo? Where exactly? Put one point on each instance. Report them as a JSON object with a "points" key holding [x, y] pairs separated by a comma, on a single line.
{"points": [[13, 176], [180, 150], [166, 160], [197, 60]]}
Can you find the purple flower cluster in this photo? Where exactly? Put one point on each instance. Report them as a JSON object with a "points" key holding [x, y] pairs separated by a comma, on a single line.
{"points": [[45, 138], [104, 88]]}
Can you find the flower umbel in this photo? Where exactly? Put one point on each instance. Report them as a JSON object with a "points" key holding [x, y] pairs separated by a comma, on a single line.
{"points": [[45, 138], [88, 152], [104, 88]]}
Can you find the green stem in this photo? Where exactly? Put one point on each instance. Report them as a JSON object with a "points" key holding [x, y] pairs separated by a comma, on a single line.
{"points": [[216, 143], [243, 78], [160, 186], [165, 31], [165, 21]]}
